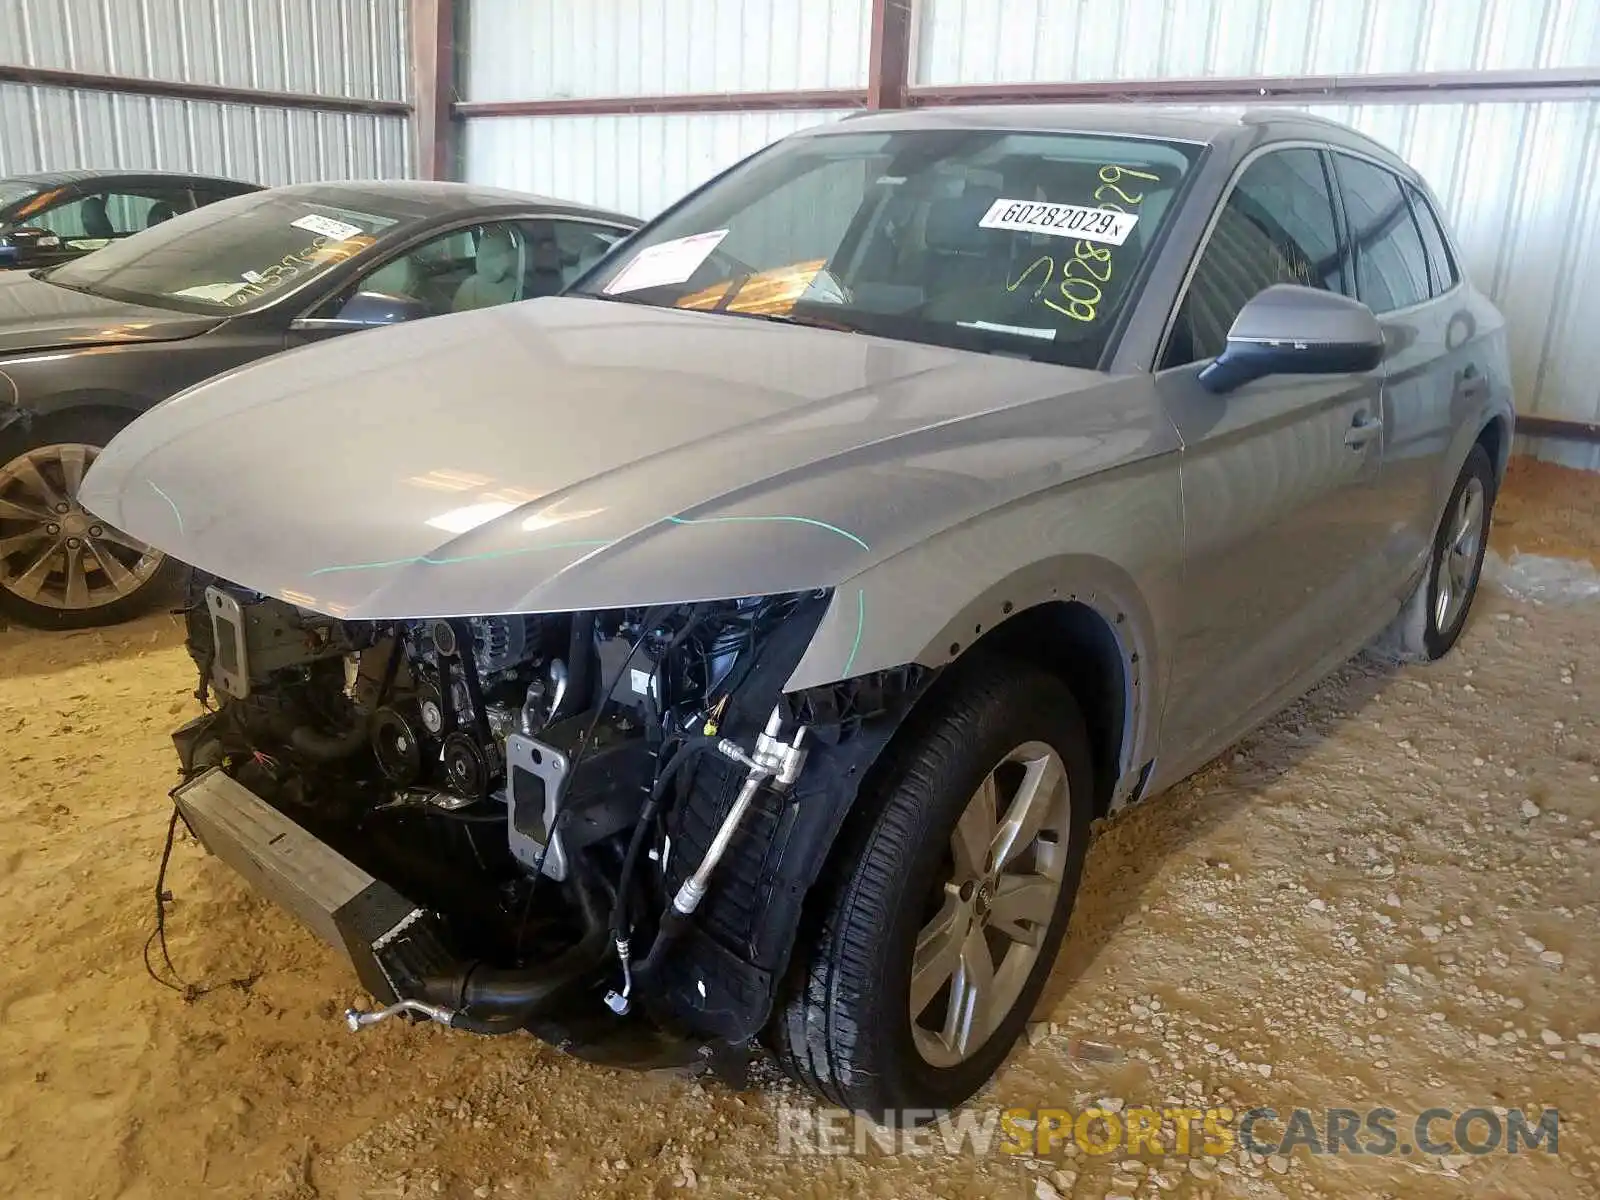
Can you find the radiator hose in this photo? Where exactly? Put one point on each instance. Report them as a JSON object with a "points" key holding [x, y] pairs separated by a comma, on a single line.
{"points": [[489, 999]]}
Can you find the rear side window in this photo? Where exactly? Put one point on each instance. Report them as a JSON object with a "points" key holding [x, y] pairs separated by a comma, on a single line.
{"points": [[1442, 273], [1276, 226], [1391, 264]]}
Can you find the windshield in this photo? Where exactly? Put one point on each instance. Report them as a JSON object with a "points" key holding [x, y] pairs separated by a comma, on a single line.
{"points": [[1023, 243], [13, 191], [231, 256]]}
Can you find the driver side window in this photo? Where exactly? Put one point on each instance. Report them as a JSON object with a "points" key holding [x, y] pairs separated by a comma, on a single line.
{"points": [[1277, 226], [474, 267]]}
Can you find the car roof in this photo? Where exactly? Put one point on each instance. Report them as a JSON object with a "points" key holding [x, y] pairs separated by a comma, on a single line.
{"points": [[45, 179], [423, 198], [1166, 122]]}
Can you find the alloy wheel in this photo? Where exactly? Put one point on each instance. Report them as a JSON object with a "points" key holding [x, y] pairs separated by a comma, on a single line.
{"points": [[52, 552], [990, 914], [1459, 556]]}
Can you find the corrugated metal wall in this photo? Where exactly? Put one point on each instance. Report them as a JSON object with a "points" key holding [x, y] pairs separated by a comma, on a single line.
{"points": [[634, 164], [1012, 41], [550, 49], [354, 48], [563, 49], [1518, 180]]}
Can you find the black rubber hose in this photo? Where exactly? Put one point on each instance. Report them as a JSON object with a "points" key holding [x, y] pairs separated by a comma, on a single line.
{"points": [[325, 747], [691, 748], [672, 928], [580, 665], [501, 999]]}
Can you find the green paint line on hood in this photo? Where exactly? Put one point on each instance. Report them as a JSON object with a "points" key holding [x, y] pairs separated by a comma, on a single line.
{"points": [[178, 516], [861, 625], [428, 561], [812, 521]]}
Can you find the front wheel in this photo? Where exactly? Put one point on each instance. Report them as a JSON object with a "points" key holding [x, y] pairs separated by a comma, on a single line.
{"points": [[948, 897], [61, 567]]}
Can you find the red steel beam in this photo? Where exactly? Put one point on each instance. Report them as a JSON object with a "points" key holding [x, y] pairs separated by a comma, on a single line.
{"points": [[699, 102], [1558, 427], [1417, 87], [889, 59], [435, 131], [172, 90]]}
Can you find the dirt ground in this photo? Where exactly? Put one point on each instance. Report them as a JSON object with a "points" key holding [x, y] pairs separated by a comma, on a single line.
{"points": [[1387, 897]]}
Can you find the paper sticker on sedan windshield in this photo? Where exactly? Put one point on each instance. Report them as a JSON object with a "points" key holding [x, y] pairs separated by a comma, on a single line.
{"points": [[336, 231], [1060, 220], [666, 263]]}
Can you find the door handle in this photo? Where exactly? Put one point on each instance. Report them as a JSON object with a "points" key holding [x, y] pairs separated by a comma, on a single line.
{"points": [[1362, 430], [1470, 383]]}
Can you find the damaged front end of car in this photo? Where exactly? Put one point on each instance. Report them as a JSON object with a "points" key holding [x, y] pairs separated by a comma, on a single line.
{"points": [[596, 825]]}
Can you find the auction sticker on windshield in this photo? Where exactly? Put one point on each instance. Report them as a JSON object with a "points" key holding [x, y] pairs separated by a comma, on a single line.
{"points": [[333, 230], [666, 263], [1060, 220]]}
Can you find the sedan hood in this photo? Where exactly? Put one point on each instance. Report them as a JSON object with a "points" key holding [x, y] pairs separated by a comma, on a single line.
{"points": [[571, 453], [35, 315]]}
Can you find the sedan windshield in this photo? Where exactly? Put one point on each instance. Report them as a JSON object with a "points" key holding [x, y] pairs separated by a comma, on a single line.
{"points": [[1021, 243], [231, 256], [13, 192]]}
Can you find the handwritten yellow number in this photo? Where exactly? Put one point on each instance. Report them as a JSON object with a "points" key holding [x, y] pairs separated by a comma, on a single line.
{"points": [[1049, 270], [1127, 199], [1086, 253], [1082, 286], [1076, 309], [1116, 173]]}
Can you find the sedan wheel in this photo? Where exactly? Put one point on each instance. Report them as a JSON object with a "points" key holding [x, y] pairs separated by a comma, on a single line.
{"points": [[61, 566], [946, 897]]}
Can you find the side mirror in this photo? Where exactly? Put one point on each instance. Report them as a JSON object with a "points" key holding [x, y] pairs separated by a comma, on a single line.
{"points": [[1293, 330], [365, 310], [379, 308]]}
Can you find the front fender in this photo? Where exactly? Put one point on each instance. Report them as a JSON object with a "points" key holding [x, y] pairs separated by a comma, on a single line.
{"points": [[1113, 540]]}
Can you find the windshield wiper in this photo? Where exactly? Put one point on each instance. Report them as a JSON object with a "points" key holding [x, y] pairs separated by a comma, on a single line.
{"points": [[43, 275], [807, 319]]}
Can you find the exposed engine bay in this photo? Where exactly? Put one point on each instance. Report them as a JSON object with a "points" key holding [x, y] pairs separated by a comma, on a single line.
{"points": [[506, 818]]}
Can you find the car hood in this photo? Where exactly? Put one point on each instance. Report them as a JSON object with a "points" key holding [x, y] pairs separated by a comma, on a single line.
{"points": [[35, 315], [570, 453]]}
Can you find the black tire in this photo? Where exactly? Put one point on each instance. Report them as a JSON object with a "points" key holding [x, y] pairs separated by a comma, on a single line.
{"points": [[1416, 634], [91, 428], [843, 1026]]}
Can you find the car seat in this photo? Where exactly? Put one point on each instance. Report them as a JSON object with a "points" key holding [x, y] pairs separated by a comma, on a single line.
{"points": [[96, 223], [545, 275], [159, 211], [397, 278], [494, 278]]}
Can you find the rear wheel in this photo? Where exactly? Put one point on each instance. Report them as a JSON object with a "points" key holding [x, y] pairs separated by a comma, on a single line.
{"points": [[61, 567], [1435, 614], [948, 896]]}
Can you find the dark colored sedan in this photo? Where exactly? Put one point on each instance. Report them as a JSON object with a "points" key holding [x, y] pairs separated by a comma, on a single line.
{"points": [[55, 216], [87, 346]]}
